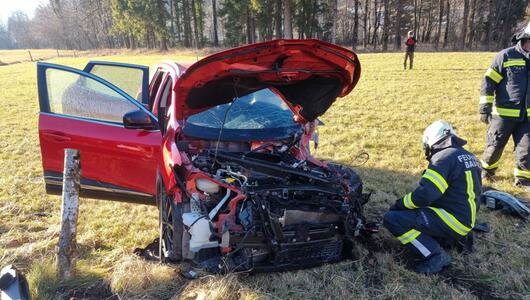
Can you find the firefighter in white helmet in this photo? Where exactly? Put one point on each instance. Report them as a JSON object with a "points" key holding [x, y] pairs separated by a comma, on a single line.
{"points": [[505, 107], [444, 205]]}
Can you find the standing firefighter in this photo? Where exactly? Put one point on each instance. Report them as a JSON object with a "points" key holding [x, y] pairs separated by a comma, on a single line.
{"points": [[410, 43], [505, 106], [444, 206]]}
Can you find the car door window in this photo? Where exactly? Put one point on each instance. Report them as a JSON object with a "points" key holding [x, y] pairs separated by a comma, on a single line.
{"points": [[132, 79], [125, 78], [75, 95]]}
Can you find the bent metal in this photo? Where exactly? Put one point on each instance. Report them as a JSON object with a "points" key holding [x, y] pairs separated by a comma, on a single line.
{"points": [[222, 147]]}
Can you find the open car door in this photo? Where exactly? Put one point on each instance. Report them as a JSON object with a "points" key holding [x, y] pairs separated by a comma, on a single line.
{"points": [[132, 79], [83, 111]]}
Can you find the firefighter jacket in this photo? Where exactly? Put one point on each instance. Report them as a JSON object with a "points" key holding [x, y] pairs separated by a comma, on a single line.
{"points": [[504, 90], [450, 186]]}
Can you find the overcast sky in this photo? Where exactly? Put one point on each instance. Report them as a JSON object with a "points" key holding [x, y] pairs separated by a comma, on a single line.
{"points": [[9, 6]]}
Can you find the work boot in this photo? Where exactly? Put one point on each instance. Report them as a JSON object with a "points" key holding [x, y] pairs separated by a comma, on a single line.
{"points": [[435, 263], [525, 184]]}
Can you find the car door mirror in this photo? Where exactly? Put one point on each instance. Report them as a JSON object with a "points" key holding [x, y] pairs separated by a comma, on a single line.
{"points": [[138, 119]]}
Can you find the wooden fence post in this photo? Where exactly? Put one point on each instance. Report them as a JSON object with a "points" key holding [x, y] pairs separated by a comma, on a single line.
{"points": [[69, 211], [30, 57]]}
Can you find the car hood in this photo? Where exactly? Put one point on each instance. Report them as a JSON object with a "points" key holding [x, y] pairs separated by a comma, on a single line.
{"points": [[309, 74]]}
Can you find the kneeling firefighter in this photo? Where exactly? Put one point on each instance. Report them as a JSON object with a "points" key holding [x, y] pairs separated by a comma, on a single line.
{"points": [[444, 205]]}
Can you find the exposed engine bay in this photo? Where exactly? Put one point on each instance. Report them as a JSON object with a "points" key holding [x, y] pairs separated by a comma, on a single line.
{"points": [[265, 211]]}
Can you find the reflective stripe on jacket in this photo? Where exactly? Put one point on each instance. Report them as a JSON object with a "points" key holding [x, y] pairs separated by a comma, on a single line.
{"points": [[450, 186], [504, 90]]}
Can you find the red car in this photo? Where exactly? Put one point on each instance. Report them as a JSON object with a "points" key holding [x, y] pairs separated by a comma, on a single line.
{"points": [[221, 147]]}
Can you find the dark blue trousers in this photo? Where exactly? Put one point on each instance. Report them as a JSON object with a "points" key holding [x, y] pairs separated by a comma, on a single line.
{"points": [[420, 230], [498, 135]]}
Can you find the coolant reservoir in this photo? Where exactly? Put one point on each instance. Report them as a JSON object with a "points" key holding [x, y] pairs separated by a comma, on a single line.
{"points": [[199, 226], [200, 231], [207, 186]]}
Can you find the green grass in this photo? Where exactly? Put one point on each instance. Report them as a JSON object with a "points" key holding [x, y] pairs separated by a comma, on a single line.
{"points": [[384, 116]]}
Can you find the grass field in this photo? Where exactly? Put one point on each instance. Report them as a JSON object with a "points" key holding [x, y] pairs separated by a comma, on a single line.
{"points": [[384, 116], [23, 55], [8, 57]]}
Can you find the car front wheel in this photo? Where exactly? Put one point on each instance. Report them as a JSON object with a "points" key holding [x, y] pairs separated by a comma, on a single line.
{"points": [[170, 226]]}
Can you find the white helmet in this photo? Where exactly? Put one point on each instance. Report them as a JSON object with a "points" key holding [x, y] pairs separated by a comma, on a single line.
{"points": [[527, 29], [523, 34], [435, 133]]}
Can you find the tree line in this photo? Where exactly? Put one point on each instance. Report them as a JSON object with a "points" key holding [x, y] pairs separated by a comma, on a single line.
{"points": [[378, 25]]}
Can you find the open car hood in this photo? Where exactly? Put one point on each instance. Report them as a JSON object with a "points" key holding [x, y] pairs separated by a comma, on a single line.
{"points": [[309, 74]]}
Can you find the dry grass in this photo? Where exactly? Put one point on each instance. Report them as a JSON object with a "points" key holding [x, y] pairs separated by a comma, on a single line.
{"points": [[8, 57], [23, 55], [385, 116]]}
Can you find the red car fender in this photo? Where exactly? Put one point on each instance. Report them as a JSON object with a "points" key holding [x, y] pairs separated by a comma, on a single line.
{"points": [[170, 158], [166, 168]]}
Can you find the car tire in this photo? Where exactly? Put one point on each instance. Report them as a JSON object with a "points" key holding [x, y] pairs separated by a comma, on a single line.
{"points": [[170, 226]]}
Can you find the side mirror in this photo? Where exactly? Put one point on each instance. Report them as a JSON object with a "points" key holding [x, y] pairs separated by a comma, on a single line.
{"points": [[138, 119]]}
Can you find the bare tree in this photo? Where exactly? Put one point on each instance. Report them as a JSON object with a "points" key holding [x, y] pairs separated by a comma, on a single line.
{"points": [[287, 22], [397, 28], [428, 24], [186, 10], [177, 8], [386, 21], [447, 22], [278, 19], [487, 27], [88, 24], [471, 25], [334, 16], [463, 34], [355, 37], [366, 32], [198, 38], [505, 37], [376, 24], [440, 19], [214, 17]]}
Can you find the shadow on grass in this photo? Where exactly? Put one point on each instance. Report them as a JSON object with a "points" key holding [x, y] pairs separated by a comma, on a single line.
{"points": [[3, 229], [87, 287], [45, 284]]}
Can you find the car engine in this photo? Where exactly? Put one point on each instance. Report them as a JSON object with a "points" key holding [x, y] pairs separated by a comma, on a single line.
{"points": [[269, 211]]}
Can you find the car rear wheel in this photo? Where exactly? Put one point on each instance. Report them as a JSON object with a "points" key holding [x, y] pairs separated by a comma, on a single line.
{"points": [[170, 226]]}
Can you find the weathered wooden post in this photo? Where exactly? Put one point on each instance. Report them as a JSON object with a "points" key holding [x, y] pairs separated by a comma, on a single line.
{"points": [[30, 57], [69, 211]]}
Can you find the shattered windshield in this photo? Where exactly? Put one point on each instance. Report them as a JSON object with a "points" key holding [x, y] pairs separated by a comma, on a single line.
{"points": [[259, 110]]}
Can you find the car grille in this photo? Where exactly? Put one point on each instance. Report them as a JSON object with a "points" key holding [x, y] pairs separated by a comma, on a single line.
{"points": [[312, 252]]}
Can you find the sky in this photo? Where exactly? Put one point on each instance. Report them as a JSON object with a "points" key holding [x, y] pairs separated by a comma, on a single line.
{"points": [[9, 6]]}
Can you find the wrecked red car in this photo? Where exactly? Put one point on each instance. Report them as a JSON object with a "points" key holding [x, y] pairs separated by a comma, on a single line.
{"points": [[222, 148]]}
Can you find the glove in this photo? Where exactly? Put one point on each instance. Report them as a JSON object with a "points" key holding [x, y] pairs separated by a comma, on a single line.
{"points": [[485, 118]]}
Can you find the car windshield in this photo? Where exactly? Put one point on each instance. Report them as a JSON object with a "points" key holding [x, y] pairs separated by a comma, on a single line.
{"points": [[262, 113]]}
